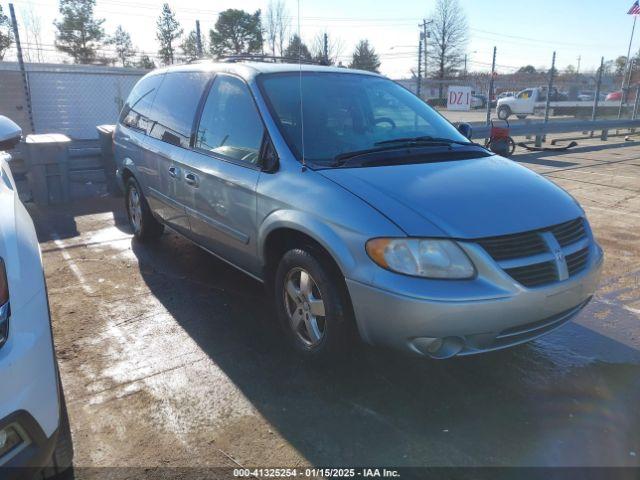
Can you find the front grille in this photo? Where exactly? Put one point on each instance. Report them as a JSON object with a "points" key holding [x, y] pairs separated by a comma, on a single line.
{"points": [[513, 246], [577, 261], [534, 275], [507, 249], [569, 232]]}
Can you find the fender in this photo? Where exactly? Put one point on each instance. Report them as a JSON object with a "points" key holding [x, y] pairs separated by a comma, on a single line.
{"points": [[323, 233]]}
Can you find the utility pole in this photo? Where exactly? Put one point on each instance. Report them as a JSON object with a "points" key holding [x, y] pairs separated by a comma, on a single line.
{"points": [[578, 69], [419, 87], [198, 39], [490, 93], [325, 48], [549, 87], [25, 83], [425, 35], [465, 66]]}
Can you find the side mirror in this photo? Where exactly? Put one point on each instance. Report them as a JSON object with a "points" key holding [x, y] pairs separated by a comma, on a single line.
{"points": [[10, 133], [465, 129]]}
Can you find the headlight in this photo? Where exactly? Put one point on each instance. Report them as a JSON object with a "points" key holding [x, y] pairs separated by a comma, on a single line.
{"points": [[429, 258]]}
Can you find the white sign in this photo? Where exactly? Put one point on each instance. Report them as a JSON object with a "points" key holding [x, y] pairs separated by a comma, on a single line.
{"points": [[459, 98]]}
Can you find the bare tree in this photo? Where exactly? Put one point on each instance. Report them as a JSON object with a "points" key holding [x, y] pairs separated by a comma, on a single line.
{"points": [[334, 47], [276, 26], [270, 28], [448, 39], [280, 15], [32, 34]]}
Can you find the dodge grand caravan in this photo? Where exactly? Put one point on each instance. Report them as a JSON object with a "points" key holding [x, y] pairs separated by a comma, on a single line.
{"points": [[363, 210]]}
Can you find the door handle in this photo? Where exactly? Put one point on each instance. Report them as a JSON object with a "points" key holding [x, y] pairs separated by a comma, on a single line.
{"points": [[191, 179], [173, 172]]}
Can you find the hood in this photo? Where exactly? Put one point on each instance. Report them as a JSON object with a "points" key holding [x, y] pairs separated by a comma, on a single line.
{"points": [[463, 199]]}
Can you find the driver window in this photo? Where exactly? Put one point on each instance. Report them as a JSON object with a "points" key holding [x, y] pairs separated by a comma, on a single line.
{"points": [[230, 124], [525, 94]]}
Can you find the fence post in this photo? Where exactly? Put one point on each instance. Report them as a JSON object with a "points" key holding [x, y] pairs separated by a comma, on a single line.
{"points": [[490, 92], [539, 138], [596, 97], [25, 83], [635, 106]]}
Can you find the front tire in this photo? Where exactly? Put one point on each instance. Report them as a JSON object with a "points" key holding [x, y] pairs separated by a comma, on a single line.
{"points": [[144, 225], [312, 305]]}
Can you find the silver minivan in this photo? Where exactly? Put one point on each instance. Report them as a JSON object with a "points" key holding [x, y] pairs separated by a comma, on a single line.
{"points": [[363, 210]]}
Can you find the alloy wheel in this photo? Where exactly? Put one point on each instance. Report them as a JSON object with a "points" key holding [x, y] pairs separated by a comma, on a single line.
{"points": [[135, 209], [305, 307]]}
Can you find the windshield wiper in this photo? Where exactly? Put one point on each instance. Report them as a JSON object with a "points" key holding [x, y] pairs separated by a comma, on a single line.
{"points": [[423, 140], [399, 143]]}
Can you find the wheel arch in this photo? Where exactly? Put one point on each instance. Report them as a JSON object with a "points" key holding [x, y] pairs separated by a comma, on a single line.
{"points": [[285, 229]]}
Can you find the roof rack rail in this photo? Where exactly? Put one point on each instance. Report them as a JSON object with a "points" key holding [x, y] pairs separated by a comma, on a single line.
{"points": [[248, 57]]}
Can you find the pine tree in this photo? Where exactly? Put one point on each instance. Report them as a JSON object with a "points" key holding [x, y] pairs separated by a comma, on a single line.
{"points": [[78, 33], [190, 47], [146, 63], [168, 32], [6, 34], [236, 32], [121, 40], [297, 50], [365, 57]]}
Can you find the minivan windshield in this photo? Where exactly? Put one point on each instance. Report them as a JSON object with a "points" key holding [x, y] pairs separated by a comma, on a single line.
{"points": [[348, 112]]}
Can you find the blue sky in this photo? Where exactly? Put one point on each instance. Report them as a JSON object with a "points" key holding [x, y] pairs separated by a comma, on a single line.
{"points": [[525, 32]]}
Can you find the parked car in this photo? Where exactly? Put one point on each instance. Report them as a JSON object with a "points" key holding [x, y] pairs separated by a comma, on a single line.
{"points": [[362, 220], [34, 427], [617, 95], [478, 100], [614, 96], [586, 96]]}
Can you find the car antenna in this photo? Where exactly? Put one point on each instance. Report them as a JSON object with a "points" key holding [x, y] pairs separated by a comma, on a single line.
{"points": [[304, 164]]}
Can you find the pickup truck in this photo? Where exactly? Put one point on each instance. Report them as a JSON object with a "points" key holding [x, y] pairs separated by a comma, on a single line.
{"points": [[532, 101]]}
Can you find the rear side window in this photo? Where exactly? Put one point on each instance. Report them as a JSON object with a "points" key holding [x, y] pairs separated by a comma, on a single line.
{"points": [[230, 124], [135, 113], [175, 105]]}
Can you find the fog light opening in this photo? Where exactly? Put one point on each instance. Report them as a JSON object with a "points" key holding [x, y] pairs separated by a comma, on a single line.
{"points": [[12, 440], [445, 347]]}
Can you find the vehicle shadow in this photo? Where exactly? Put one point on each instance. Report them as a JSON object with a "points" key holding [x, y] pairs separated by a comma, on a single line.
{"points": [[546, 403], [60, 221]]}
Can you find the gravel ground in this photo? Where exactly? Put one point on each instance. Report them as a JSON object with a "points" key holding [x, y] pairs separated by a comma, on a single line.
{"points": [[170, 358]]}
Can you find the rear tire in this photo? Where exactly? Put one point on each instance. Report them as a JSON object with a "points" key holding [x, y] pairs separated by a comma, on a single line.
{"points": [[144, 225], [504, 112], [312, 305]]}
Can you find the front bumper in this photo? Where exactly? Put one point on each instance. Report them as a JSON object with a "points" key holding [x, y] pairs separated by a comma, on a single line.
{"points": [[473, 316], [29, 392]]}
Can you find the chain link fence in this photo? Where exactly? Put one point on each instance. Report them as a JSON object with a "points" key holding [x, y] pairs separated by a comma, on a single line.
{"points": [[68, 99]]}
